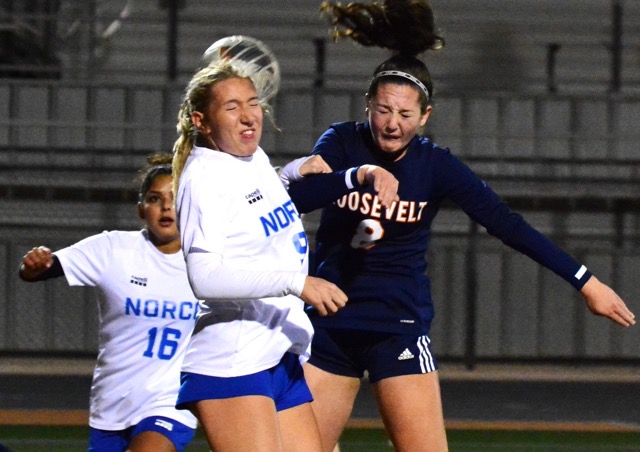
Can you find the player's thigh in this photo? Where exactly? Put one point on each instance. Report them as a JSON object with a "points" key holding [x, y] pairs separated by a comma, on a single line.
{"points": [[333, 399], [239, 424], [151, 442], [411, 409], [299, 429]]}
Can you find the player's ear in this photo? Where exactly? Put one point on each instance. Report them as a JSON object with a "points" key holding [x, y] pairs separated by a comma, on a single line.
{"points": [[140, 211], [197, 119], [425, 116]]}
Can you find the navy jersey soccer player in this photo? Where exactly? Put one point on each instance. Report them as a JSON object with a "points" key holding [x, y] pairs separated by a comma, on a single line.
{"points": [[377, 255]]}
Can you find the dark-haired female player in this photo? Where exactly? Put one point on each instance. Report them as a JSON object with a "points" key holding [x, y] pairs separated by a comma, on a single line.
{"points": [[147, 312], [376, 255]]}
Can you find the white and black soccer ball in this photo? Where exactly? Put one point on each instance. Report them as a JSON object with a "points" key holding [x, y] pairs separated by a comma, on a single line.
{"points": [[252, 57]]}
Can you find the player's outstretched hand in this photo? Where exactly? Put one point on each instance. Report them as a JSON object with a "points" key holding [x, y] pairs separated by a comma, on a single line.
{"points": [[314, 165], [324, 296], [35, 262], [603, 301], [384, 183]]}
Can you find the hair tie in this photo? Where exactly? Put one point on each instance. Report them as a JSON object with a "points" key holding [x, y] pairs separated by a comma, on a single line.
{"points": [[404, 75]]}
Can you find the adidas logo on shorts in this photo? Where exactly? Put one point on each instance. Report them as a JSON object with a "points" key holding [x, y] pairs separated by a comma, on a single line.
{"points": [[406, 354]]}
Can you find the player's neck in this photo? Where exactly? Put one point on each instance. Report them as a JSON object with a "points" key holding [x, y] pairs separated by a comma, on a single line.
{"points": [[170, 247]]}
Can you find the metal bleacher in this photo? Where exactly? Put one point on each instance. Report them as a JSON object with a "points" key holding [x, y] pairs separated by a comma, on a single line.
{"points": [[568, 159]]}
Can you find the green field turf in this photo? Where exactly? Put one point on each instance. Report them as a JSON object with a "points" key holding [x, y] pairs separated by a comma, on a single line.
{"points": [[72, 439]]}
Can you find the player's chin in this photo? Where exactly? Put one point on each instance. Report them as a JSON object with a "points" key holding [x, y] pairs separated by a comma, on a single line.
{"points": [[246, 149], [391, 146], [166, 233]]}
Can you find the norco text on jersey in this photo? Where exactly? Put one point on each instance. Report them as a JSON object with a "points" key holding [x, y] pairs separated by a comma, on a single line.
{"points": [[184, 310], [280, 218]]}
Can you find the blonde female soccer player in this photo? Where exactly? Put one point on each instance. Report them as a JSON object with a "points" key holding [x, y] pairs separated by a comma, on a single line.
{"points": [[246, 254]]}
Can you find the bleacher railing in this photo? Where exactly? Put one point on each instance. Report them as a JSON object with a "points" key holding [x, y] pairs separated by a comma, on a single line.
{"points": [[568, 163]]}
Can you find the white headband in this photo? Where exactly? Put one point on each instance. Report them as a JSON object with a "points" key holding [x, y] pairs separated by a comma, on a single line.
{"points": [[405, 75]]}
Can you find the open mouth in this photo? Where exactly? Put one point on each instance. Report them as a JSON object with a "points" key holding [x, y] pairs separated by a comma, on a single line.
{"points": [[166, 221]]}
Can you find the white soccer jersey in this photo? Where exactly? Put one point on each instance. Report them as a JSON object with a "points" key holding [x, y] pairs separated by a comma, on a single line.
{"points": [[147, 312], [246, 254]]}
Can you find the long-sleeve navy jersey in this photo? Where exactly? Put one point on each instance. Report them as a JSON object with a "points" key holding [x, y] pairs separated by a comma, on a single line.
{"points": [[377, 255]]}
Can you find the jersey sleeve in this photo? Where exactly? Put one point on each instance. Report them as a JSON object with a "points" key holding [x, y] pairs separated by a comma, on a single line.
{"points": [[318, 190], [291, 171], [85, 262], [484, 206], [211, 279], [204, 216], [331, 146]]}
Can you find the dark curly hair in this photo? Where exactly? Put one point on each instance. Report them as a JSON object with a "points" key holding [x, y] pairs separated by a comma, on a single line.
{"points": [[405, 27]]}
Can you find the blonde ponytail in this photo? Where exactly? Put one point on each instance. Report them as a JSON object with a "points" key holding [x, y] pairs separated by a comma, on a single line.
{"points": [[183, 145]]}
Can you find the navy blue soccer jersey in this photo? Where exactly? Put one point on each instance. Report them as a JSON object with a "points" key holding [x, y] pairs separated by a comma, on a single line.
{"points": [[377, 255]]}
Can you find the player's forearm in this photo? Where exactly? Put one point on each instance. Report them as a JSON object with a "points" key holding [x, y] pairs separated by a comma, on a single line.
{"points": [[319, 190], [210, 280]]}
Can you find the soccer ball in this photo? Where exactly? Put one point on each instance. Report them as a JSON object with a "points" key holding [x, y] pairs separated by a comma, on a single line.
{"points": [[252, 57]]}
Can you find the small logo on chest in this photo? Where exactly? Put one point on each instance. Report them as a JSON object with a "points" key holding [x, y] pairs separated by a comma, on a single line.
{"points": [[138, 281], [254, 196]]}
